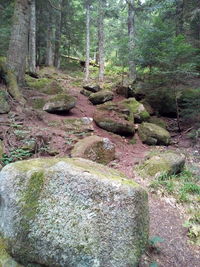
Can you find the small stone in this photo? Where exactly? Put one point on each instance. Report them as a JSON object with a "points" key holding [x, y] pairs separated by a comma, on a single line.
{"points": [[101, 97], [85, 92], [92, 88], [60, 103]]}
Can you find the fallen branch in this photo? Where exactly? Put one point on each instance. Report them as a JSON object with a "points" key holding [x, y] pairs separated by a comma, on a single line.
{"points": [[82, 62]]}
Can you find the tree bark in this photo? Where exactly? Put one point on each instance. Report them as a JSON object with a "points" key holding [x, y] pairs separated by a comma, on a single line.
{"points": [[58, 35], [179, 17], [49, 48], [18, 45], [32, 38], [101, 39], [87, 62], [131, 34]]}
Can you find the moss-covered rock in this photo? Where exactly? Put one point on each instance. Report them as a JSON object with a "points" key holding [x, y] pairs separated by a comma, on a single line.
{"points": [[4, 105], [137, 110], [101, 97], [38, 84], [60, 103], [85, 92], [67, 212], [95, 148], [152, 134], [94, 88], [165, 162], [158, 121], [38, 102], [1, 149], [112, 118]]}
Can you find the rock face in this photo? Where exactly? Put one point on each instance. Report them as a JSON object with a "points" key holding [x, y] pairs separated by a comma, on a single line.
{"points": [[60, 103], [95, 148], [4, 105], [138, 113], [101, 97], [152, 134], [112, 118], [72, 212], [167, 162], [92, 88]]}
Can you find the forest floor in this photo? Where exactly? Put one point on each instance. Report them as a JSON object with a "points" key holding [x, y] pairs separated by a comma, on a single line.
{"points": [[166, 216]]}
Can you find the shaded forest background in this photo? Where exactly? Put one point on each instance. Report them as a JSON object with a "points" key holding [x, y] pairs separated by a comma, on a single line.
{"points": [[153, 44]]}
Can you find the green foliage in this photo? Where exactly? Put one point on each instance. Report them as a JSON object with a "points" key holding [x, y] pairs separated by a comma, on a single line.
{"points": [[15, 155]]}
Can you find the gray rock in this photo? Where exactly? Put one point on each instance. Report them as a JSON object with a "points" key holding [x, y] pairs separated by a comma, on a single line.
{"points": [[101, 97], [92, 88], [152, 134], [4, 105], [85, 92], [94, 148], [60, 103], [166, 162], [72, 212]]}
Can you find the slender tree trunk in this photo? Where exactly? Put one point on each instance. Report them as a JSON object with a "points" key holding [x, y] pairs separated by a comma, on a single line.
{"points": [[101, 40], [18, 46], [32, 38], [87, 62], [131, 33], [179, 17], [58, 35], [49, 49]]}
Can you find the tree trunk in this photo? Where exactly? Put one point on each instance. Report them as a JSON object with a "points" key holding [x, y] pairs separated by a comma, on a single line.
{"points": [[131, 33], [58, 35], [32, 39], [18, 45], [101, 40], [87, 62], [49, 49], [179, 17]]}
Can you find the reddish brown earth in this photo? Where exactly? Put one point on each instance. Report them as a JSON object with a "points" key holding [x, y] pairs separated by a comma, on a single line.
{"points": [[166, 219]]}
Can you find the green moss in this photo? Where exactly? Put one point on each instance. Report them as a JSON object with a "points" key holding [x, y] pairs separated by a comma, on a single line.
{"points": [[5, 259], [158, 121], [38, 103], [1, 149], [85, 165], [31, 197], [37, 83]]}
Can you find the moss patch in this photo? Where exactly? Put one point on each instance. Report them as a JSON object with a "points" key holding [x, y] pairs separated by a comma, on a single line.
{"points": [[37, 83]]}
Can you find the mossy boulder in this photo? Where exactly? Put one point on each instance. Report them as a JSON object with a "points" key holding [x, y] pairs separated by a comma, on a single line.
{"points": [[68, 212], [152, 134], [38, 84], [60, 103], [85, 92], [101, 97], [138, 113], [112, 118], [95, 148], [164, 162], [37, 102], [1, 149], [158, 121], [92, 88], [4, 105]]}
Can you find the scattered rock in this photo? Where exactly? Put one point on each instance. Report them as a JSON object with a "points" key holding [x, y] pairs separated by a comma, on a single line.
{"points": [[1, 149], [92, 88], [95, 148], [138, 113], [4, 105], [112, 118], [165, 162], [101, 97], [78, 125], [152, 134], [148, 107], [60, 103], [72, 212], [85, 92]]}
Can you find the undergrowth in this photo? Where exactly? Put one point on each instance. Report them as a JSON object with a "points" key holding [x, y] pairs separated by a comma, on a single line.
{"points": [[185, 188]]}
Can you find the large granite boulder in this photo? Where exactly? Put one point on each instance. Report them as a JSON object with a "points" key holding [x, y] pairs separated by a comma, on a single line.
{"points": [[138, 113], [101, 97], [112, 118], [152, 134], [95, 148], [72, 212], [60, 103], [165, 162], [92, 88], [4, 105]]}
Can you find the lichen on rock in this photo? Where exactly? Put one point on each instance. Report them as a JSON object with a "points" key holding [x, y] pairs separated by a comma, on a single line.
{"points": [[68, 212]]}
